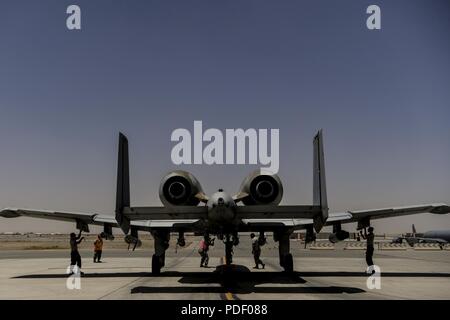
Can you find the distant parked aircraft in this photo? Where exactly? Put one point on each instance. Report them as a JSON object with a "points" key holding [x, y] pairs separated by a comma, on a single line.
{"points": [[441, 237]]}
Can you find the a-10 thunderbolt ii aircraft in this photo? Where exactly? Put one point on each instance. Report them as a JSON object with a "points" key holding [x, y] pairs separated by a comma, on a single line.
{"points": [[186, 208]]}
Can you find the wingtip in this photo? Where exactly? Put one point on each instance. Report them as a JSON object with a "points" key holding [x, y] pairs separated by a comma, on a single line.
{"points": [[9, 213], [441, 208]]}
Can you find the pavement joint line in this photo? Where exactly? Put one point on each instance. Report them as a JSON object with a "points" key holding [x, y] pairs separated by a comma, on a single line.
{"points": [[118, 289]]}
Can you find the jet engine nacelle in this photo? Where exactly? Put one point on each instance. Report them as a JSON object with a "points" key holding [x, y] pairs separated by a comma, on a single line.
{"points": [[262, 188], [179, 188], [339, 236]]}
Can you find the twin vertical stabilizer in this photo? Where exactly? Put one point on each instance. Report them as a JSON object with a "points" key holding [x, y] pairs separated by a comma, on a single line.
{"points": [[123, 184], [319, 182]]}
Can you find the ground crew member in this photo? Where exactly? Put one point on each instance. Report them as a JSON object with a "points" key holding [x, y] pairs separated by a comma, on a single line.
{"points": [[98, 247], [203, 250], [369, 237], [75, 258], [256, 251]]}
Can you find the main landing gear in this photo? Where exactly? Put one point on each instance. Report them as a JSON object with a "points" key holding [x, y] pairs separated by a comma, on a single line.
{"points": [[286, 260], [230, 241], [161, 240]]}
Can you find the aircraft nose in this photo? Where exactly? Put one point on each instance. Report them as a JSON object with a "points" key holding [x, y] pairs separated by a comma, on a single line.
{"points": [[220, 202]]}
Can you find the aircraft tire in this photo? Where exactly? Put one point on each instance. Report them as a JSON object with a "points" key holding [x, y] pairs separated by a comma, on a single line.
{"points": [[289, 263], [156, 267]]}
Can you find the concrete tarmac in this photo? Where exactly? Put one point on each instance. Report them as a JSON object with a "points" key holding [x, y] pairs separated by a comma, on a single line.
{"points": [[320, 274]]}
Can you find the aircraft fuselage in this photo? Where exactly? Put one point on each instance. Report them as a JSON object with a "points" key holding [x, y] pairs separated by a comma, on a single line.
{"points": [[438, 234], [222, 212]]}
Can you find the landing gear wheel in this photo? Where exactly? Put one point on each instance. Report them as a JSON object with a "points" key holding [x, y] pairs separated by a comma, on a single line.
{"points": [[288, 263], [229, 259], [162, 260], [228, 253], [156, 267]]}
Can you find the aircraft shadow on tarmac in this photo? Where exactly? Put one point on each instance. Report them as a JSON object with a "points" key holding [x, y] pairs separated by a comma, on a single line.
{"points": [[239, 279]]}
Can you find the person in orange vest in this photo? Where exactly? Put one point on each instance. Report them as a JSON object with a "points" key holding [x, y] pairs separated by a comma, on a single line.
{"points": [[98, 247]]}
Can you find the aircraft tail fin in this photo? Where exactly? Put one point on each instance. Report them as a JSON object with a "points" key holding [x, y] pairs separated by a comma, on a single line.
{"points": [[414, 231], [319, 182], [123, 184]]}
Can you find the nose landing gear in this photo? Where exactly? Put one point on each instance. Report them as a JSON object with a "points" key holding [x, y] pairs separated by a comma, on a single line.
{"points": [[181, 240], [228, 250], [230, 241]]}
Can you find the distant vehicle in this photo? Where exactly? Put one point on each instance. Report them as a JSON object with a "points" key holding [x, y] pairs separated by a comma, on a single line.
{"points": [[441, 237]]}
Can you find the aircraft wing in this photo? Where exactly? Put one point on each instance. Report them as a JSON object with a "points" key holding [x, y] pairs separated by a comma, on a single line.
{"points": [[83, 220], [148, 225], [166, 213], [273, 224], [363, 217], [278, 212], [266, 218], [53, 215], [299, 220], [295, 224]]}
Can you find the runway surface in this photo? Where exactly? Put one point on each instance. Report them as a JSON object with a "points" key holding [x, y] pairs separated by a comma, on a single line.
{"points": [[320, 274]]}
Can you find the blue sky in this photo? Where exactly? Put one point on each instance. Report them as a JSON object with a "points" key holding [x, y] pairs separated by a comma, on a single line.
{"points": [[148, 67]]}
